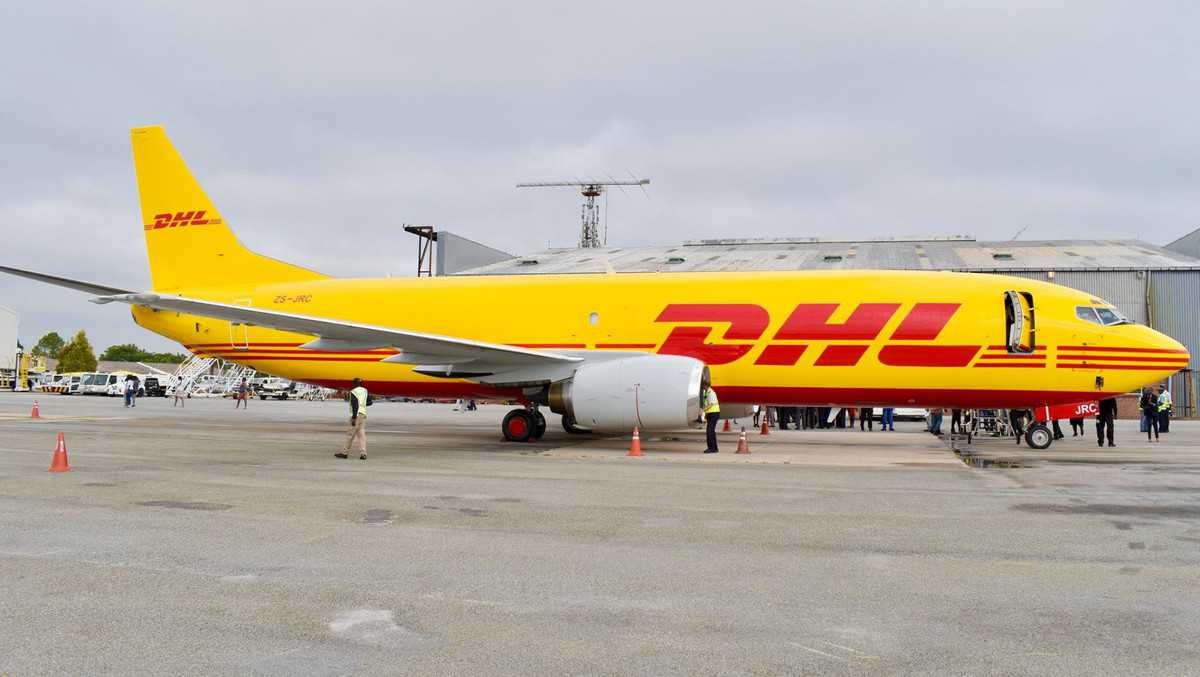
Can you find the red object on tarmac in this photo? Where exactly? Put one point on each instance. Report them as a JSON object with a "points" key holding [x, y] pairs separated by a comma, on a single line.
{"points": [[726, 428], [59, 462], [36, 413], [743, 445], [635, 447], [764, 420], [1060, 411]]}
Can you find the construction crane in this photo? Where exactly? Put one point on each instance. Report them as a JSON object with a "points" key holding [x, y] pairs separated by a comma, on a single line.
{"points": [[589, 235]]}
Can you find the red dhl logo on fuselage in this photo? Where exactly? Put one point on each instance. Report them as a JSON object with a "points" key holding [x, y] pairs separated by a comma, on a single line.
{"points": [[192, 218], [810, 322]]}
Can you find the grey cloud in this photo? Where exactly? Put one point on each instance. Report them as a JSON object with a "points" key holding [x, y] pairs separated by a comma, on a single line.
{"points": [[317, 127]]}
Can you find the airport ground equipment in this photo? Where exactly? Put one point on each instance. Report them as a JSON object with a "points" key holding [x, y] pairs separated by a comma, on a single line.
{"points": [[589, 233], [183, 380]]}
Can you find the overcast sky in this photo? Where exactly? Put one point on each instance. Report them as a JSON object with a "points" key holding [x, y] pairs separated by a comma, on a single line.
{"points": [[319, 130]]}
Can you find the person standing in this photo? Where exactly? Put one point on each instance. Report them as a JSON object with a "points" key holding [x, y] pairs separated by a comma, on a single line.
{"points": [[1104, 421], [1058, 433], [1077, 426], [712, 413], [243, 395], [178, 395], [864, 418], [956, 425], [1164, 409], [888, 420], [130, 391], [935, 421], [1149, 405], [359, 400], [1016, 421]]}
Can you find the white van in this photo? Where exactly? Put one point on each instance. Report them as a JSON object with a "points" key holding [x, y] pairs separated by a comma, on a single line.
{"points": [[99, 383]]}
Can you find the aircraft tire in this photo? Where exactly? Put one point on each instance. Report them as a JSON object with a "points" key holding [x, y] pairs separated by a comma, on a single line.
{"points": [[518, 425], [1038, 437], [539, 426], [568, 424]]}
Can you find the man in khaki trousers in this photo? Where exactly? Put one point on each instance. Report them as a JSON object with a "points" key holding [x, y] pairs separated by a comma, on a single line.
{"points": [[357, 439]]}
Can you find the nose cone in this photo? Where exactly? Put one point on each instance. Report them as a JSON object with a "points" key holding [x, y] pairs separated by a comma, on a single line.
{"points": [[1141, 350]]}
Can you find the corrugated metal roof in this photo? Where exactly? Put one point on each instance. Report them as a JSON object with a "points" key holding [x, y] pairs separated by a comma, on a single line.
{"points": [[959, 253]]}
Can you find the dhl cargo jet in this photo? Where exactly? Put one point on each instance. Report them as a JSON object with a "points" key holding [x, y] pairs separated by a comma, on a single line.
{"points": [[610, 352]]}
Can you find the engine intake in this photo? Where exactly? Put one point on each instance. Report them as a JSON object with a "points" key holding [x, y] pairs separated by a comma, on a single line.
{"points": [[648, 391]]}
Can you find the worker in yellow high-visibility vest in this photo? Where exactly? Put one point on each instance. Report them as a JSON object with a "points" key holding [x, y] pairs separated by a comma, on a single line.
{"points": [[712, 413], [359, 400]]}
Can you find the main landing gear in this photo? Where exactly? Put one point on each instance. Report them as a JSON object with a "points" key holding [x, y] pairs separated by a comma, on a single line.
{"points": [[523, 425]]}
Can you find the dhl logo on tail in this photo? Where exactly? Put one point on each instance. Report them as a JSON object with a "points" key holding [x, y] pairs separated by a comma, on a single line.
{"points": [[192, 218]]}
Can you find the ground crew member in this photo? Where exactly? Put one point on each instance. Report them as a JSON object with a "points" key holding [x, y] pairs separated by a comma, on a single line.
{"points": [[1149, 405], [866, 418], [357, 439], [1164, 409], [712, 413], [1104, 421]]}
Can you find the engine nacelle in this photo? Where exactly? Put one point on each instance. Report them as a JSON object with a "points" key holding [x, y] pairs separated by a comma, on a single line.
{"points": [[648, 391]]}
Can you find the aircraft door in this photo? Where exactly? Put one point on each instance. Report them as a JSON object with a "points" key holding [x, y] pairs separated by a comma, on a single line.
{"points": [[239, 333], [1019, 322]]}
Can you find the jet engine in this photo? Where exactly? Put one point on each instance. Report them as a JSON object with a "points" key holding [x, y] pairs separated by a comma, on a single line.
{"points": [[647, 391]]}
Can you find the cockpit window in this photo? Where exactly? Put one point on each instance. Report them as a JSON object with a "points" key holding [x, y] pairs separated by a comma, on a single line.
{"points": [[1110, 316], [1088, 314], [1104, 316]]}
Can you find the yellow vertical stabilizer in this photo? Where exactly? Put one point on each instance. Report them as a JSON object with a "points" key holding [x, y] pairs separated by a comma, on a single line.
{"points": [[189, 244]]}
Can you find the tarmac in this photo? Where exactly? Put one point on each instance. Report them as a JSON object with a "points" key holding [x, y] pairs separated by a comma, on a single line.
{"points": [[205, 540]]}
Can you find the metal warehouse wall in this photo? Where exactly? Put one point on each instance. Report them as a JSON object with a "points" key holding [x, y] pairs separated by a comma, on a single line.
{"points": [[1175, 305]]}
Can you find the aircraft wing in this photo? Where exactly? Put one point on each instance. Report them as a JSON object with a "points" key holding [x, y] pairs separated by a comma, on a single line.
{"points": [[433, 353], [78, 285], [334, 335]]}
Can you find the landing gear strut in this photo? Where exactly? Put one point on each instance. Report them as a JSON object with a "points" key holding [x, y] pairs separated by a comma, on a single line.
{"points": [[523, 425]]}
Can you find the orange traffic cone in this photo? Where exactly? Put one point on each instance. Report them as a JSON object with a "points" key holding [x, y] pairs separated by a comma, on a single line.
{"points": [[726, 428], [635, 446], [743, 445], [59, 462], [36, 413], [764, 420]]}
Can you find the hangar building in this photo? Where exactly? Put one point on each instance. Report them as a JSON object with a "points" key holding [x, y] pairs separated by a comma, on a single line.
{"points": [[1152, 285]]}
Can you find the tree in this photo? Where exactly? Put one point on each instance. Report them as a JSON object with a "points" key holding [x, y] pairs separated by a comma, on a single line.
{"points": [[124, 352], [128, 352], [49, 345], [77, 355]]}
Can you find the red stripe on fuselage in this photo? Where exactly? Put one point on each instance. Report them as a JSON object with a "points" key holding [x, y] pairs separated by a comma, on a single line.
{"points": [[927, 356]]}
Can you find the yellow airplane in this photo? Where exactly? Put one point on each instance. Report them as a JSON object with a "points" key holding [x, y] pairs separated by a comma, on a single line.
{"points": [[610, 352]]}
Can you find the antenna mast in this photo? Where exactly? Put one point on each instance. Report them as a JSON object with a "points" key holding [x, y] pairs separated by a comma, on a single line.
{"points": [[589, 216]]}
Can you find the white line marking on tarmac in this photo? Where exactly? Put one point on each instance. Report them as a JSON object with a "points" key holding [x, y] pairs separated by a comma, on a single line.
{"points": [[861, 654], [396, 432], [818, 651]]}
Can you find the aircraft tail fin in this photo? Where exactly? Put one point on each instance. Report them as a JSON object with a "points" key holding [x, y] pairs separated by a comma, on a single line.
{"points": [[189, 244]]}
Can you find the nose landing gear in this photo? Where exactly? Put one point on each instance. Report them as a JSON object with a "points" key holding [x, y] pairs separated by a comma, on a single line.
{"points": [[523, 425], [1038, 436]]}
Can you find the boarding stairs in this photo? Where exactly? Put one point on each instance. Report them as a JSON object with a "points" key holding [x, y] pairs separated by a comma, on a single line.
{"points": [[234, 373], [183, 381]]}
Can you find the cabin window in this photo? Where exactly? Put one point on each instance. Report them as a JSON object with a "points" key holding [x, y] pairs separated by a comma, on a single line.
{"points": [[1019, 322]]}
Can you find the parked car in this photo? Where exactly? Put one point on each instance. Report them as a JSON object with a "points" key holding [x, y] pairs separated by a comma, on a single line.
{"points": [[154, 386], [279, 388]]}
